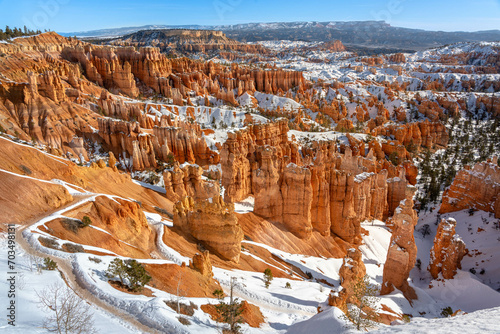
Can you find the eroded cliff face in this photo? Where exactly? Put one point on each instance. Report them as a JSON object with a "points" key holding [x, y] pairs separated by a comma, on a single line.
{"points": [[402, 252], [52, 89], [213, 223], [307, 187], [183, 40], [184, 140], [419, 134], [477, 188], [116, 69], [447, 251], [42, 111], [187, 181]]}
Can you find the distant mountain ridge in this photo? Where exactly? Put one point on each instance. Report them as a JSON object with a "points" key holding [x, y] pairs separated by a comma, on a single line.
{"points": [[363, 33], [183, 40]]}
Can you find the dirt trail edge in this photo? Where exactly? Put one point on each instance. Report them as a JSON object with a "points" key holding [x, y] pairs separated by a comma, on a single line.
{"points": [[66, 270]]}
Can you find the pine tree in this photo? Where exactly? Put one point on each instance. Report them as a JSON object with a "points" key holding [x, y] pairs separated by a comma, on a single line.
{"points": [[268, 277], [116, 268], [137, 275], [129, 270], [229, 313]]}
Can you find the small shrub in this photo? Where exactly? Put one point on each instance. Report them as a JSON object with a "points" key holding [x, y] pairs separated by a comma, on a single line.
{"points": [[425, 230], [446, 312], [74, 225], [218, 293], [163, 212], [73, 248], [153, 178], [170, 159], [288, 285], [49, 264], [406, 318], [394, 158], [309, 275], [26, 170], [482, 272], [86, 221], [49, 242], [184, 321], [268, 277], [184, 309], [71, 225], [472, 270], [95, 259]]}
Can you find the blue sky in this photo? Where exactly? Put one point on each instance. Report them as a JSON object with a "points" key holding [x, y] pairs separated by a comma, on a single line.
{"points": [[73, 15]]}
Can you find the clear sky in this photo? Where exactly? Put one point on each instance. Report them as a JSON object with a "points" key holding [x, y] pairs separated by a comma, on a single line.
{"points": [[73, 15]]}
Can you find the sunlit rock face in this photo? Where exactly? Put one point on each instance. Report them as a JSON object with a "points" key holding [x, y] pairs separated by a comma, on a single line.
{"points": [[447, 251]]}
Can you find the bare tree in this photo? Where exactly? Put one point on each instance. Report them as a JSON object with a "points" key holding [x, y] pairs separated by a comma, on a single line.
{"points": [[68, 313], [230, 313], [31, 260], [179, 294]]}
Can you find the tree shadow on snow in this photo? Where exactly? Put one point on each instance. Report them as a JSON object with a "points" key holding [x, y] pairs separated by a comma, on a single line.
{"points": [[295, 300]]}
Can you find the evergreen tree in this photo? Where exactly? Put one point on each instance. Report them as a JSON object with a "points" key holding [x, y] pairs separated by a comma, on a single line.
{"points": [[129, 270], [116, 268], [137, 275], [268, 277], [229, 313]]}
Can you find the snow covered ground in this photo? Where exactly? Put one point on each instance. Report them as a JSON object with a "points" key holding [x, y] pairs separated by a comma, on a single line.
{"points": [[286, 310], [29, 317]]}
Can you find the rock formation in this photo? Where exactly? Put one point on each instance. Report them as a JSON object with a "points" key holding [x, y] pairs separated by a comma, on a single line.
{"points": [[447, 251], [184, 40], [202, 263], [398, 58], [185, 141], [477, 188], [187, 181], [419, 134], [126, 139], [213, 223], [402, 252], [317, 189], [296, 190], [352, 270]]}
